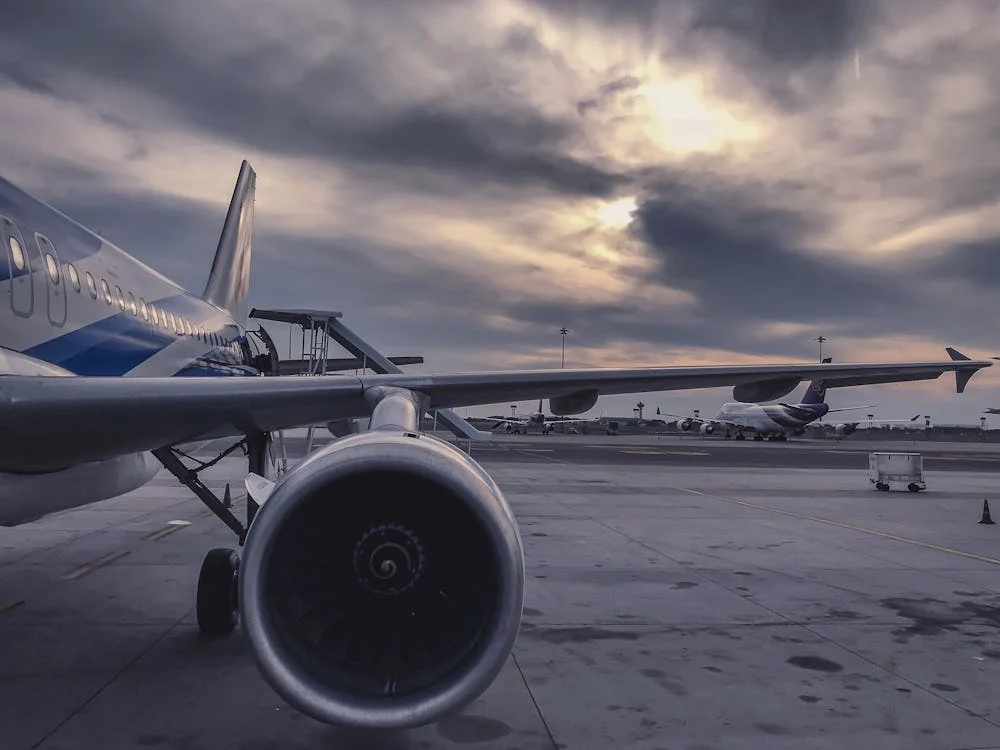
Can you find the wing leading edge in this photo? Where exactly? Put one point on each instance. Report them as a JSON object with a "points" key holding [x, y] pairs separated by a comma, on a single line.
{"points": [[52, 422]]}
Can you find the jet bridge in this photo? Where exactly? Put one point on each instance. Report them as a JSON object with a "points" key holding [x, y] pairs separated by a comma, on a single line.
{"points": [[319, 327]]}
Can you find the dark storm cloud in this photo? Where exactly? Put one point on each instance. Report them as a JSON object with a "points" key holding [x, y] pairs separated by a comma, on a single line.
{"points": [[724, 244], [787, 32], [785, 50], [331, 110], [977, 263]]}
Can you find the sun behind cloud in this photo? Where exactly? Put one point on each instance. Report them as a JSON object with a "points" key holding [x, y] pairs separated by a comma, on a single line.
{"points": [[618, 213]]}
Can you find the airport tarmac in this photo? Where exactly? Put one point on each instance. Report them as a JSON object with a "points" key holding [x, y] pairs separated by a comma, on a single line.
{"points": [[665, 607], [670, 450]]}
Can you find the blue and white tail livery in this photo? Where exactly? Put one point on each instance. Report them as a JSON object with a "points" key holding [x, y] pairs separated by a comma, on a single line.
{"points": [[77, 303]]}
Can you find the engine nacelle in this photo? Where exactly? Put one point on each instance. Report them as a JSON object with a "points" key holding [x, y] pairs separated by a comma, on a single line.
{"points": [[707, 428], [344, 427], [687, 424], [382, 582], [764, 390], [845, 429], [573, 403]]}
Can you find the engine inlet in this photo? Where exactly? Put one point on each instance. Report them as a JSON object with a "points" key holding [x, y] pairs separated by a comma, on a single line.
{"points": [[388, 559]]}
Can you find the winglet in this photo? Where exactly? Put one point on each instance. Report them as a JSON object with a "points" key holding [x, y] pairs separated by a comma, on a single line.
{"points": [[962, 374]]}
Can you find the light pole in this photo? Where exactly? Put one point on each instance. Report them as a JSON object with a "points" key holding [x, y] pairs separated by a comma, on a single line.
{"points": [[820, 339], [562, 332], [641, 407]]}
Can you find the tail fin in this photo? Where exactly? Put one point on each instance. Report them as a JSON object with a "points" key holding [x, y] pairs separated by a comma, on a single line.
{"points": [[815, 393], [230, 276]]}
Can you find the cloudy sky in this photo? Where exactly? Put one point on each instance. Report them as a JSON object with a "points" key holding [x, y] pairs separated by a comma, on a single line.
{"points": [[677, 182]]}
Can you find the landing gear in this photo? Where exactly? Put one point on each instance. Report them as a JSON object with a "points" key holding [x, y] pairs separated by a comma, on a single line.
{"points": [[217, 600], [740, 436], [758, 437]]}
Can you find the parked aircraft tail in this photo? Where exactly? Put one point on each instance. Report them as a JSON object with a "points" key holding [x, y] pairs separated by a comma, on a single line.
{"points": [[815, 393], [229, 278]]}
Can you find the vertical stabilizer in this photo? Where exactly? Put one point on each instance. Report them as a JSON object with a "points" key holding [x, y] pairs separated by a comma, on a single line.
{"points": [[230, 276], [815, 393]]}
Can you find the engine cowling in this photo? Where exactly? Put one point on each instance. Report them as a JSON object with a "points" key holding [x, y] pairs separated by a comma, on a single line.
{"points": [[344, 427], [687, 424], [845, 429], [707, 428], [382, 582]]}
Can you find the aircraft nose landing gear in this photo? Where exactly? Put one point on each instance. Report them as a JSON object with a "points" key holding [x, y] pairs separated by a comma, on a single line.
{"points": [[217, 600]]}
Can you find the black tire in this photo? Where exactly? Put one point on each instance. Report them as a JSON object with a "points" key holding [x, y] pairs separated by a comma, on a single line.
{"points": [[217, 604], [913, 487]]}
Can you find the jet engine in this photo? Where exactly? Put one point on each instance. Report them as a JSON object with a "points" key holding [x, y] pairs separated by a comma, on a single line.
{"points": [[687, 424], [382, 581], [707, 428], [846, 429]]}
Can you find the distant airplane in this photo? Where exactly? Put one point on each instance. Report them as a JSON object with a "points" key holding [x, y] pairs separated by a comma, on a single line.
{"points": [[382, 579], [539, 418], [775, 421]]}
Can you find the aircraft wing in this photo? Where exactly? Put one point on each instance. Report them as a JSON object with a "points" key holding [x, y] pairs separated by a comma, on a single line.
{"points": [[911, 420], [49, 422], [851, 408]]}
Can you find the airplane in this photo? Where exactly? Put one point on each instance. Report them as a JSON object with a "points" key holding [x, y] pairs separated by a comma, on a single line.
{"points": [[775, 421], [537, 418], [381, 579]]}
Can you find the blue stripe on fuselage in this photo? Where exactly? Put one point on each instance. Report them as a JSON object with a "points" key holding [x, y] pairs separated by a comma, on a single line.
{"points": [[119, 343]]}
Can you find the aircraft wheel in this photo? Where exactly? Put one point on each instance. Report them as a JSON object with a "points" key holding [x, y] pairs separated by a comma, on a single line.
{"points": [[217, 601], [740, 436]]}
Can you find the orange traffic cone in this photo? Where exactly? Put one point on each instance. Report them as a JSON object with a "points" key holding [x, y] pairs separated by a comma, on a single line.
{"points": [[987, 519]]}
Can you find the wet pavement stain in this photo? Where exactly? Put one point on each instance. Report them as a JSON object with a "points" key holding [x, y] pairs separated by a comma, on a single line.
{"points": [[685, 585], [944, 687], [576, 635], [934, 616], [467, 729], [661, 679], [531, 612], [809, 698], [768, 728], [815, 663]]}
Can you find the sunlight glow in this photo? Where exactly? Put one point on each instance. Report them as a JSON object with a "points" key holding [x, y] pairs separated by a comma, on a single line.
{"points": [[682, 119], [617, 214]]}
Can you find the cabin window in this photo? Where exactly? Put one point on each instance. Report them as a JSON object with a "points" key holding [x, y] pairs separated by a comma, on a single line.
{"points": [[132, 306], [16, 253], [106, 290], [52, 267], [74, 276], [154, 314], [91, 285], [120, 297], [143, 308]]}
